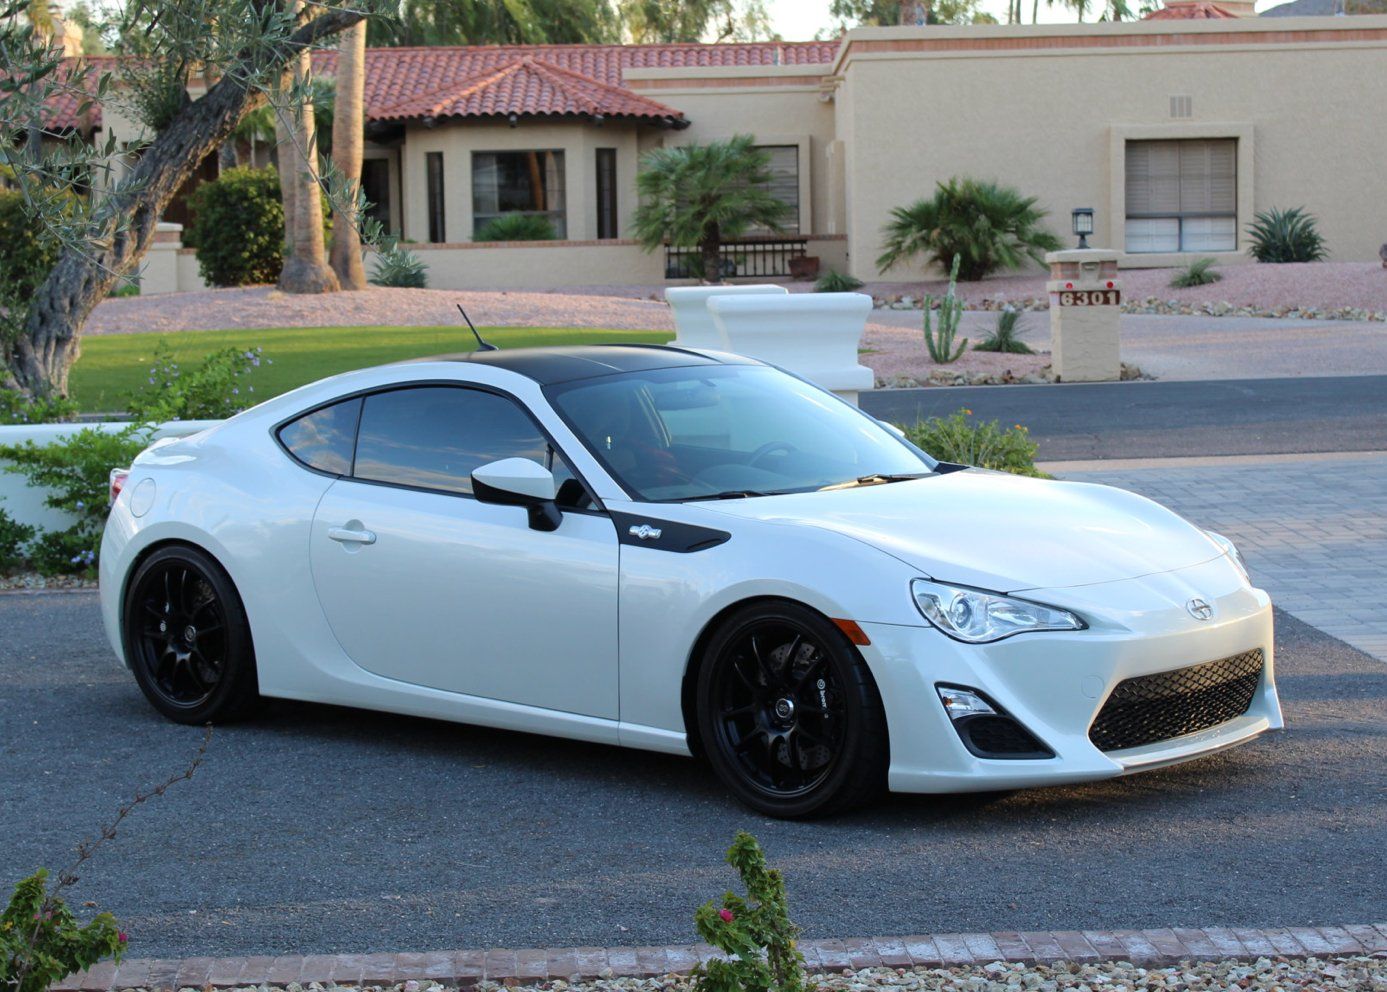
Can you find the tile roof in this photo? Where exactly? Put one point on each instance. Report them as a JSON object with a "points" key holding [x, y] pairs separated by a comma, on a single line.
{"points": [[1189, 10], [526, 87], [65, 104], [552, 75]]}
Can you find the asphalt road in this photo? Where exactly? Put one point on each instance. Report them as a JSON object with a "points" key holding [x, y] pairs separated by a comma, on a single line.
{"points": [[317, 829], [1168, 418]]}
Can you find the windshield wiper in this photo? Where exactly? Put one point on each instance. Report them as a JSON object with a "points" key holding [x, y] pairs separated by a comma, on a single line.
{"points": [[875, 479], [728, 494]]}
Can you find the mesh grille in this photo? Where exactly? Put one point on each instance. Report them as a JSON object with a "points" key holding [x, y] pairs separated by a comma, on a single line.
{"points": [[1165, 705]]}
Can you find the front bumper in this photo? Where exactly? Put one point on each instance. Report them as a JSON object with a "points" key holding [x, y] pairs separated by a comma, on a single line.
{"points": [[1055, 683]]}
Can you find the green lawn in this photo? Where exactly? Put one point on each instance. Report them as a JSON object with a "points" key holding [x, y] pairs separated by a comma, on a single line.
{"points": [[113, 366]]}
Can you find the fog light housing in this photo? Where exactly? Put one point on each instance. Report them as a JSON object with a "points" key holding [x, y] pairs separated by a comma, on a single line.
{"points": [[961, 703], [987, 730]]}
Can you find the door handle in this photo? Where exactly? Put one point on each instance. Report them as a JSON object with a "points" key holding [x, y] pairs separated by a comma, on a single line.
{"points": [[345, 535]]}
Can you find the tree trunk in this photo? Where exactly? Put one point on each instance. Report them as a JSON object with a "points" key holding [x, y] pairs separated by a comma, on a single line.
{"points": [[84, 274], [348, 125], [305, 268], [285, 165], [711, 250]]}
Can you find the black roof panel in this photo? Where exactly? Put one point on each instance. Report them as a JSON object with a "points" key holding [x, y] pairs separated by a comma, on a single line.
{"points": [[565, 364]]}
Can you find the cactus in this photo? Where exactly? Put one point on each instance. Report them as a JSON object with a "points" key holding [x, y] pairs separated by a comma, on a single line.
{"points": [[941, 344]]}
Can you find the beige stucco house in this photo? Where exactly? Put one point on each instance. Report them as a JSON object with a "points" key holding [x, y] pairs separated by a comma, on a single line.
{"points": [[1176, 130]]}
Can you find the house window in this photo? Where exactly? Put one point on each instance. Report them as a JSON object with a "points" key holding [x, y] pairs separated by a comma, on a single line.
{"points": [[434, 164], [784, 184], [375, 186], [519, 182], [1182, 196], [606, 193]]}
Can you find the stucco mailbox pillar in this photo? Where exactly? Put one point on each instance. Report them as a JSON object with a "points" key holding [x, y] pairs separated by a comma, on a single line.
{"points": [[693, 324], [1085, 310]]}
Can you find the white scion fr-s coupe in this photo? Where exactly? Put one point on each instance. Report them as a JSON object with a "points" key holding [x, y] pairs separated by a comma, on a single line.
{"points": [[686, 552]]}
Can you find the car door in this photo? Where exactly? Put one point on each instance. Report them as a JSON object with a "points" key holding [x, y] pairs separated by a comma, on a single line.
{"points": [[422, 583]]}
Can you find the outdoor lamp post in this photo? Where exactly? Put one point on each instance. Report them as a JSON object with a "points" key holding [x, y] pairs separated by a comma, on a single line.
{"points": [[1083, 224]]}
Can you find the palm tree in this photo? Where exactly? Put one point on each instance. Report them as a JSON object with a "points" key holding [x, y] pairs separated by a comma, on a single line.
{"points": [[986, 226], [701, 195], [305, 266], [347, 135]]}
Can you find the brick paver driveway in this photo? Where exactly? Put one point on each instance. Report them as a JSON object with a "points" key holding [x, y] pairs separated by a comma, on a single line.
{"points": [[1312, 528]]}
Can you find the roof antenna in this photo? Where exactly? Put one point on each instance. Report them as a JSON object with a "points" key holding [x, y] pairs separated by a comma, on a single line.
{"points": [[481, 345]]}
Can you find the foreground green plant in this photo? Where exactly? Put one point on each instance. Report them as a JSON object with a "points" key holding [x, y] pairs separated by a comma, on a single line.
{"points": [[837, 282], [754, 932], [1004, 337], [16, 408], [41, 940], [985, 444], [1200, 272], [1286, 236], [941, 343], [14, 537], [213, 390], [985, 226]]}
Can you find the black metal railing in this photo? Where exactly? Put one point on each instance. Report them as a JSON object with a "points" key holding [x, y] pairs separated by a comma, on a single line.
{"points": [[755, 258]]}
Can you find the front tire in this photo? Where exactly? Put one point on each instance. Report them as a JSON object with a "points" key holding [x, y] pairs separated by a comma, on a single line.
{"points": [[187, 638], [789, 715]]}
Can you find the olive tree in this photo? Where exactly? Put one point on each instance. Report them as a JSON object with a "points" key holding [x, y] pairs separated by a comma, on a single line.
{"points": [[192, 70]]}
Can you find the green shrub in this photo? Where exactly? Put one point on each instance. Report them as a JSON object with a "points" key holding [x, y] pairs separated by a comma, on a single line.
{"points": [[517, 227], [984, 225], [42, 943], [16, 408], [13, 538], [66, 552], [941, 343], [1004, 338], [399, 267], [1200, 272], [837, 282], [125, 291], [958, 438], [27, 251], [1286, 236], [238, 228], [213, 390], [754, 932]]}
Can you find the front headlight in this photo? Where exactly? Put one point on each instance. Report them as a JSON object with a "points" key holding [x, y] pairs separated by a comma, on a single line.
{"points": [[976, 616], [1231, 550]]}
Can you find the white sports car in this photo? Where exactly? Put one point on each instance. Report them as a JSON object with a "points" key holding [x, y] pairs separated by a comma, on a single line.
{"points": [[682, 551]]}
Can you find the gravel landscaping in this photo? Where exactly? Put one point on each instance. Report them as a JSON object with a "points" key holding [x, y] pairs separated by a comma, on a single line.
{"points": [[1360, 974]]}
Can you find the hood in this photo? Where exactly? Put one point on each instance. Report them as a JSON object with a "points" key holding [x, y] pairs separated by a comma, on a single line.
{"points": [[997, 531]]}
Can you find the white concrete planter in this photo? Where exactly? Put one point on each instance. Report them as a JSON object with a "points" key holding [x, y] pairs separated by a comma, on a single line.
{"points": [[693, 324], [24, 502], [815, 335]]}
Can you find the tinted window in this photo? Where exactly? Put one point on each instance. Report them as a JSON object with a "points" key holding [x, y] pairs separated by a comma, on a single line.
{"points": [[433, 437], [700, 432], [323, 439]]}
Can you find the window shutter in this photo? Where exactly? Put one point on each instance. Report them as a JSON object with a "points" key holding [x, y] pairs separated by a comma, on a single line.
{"points": [[1153, 177]]}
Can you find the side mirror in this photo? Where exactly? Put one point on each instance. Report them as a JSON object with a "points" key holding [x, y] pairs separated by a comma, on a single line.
{"points": [[519, 482]]}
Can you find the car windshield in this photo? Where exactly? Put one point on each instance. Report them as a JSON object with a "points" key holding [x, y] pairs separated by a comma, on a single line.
{"points": [[710, 432]]}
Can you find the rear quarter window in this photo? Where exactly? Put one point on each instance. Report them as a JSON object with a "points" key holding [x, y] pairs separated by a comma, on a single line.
{"points": [[324, 439]]}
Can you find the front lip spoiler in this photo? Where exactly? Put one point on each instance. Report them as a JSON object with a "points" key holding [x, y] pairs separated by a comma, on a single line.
{"points": [[1237, 731]]}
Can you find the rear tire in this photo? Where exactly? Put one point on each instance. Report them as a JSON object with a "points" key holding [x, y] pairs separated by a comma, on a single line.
{"points": [[187, 638], [789, 715]]}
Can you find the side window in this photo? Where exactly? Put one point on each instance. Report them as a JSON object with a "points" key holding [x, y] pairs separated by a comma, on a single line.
{"points": [[432, 437], [323, 439]]}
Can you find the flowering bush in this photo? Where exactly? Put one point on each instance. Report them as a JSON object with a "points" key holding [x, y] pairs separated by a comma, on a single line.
{"points": [[13, 537], [755, 932], [76, 471], [213, 390], [16, 408], [41, 942], [986, 444]]}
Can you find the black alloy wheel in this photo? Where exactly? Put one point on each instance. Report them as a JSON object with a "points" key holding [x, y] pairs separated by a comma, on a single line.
{"points": [[186, 637], [789, 714]]}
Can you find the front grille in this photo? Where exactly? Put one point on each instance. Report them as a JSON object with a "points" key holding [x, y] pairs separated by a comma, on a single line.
{"points": [[1159, 707]]}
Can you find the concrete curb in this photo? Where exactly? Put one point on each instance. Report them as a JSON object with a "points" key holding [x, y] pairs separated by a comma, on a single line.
{"points": [[466, 969]]}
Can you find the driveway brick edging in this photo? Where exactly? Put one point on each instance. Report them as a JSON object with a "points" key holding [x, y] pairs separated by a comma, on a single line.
{"points": [[466, 969]]}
